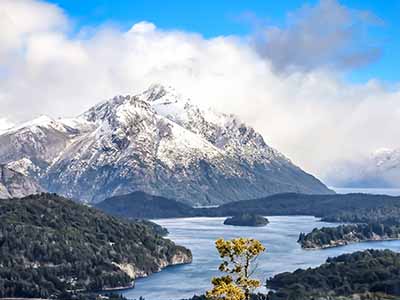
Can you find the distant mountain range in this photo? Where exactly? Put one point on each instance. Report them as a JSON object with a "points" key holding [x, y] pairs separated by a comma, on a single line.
{"points": [[157, 142], [380, 169], [353, 208]]}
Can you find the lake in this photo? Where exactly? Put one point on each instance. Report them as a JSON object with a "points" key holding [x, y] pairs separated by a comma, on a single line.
{"points": [[199, 234]]}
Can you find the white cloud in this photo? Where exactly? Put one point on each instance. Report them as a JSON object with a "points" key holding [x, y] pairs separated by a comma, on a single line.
{"points": [[21, 18], [312, 116], [5, 124], [325, 35]]}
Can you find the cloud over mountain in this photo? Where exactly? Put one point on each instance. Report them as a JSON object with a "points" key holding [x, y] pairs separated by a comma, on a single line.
{"points": [[47, 66]]}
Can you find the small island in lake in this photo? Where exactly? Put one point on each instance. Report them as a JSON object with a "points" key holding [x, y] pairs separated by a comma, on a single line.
{"points": [[247, 219]]}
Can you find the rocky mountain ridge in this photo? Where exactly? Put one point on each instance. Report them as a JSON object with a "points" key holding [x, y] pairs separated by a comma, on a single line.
{"points": [[158, 142]]}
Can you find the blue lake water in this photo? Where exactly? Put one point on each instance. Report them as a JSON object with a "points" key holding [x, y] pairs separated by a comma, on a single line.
{"points": [[199, 234]]}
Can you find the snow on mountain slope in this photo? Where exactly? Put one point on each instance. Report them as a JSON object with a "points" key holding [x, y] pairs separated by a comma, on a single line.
{"points": [[39, 141], [381, 169], [225, 132], [157, 142], [14, 184], [386, 158]]}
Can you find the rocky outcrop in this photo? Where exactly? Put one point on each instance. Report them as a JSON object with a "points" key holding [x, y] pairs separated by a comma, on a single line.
{"points": [[178, 258], [14, 184]]}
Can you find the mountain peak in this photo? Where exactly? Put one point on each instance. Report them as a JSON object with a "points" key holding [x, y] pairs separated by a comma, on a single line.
{"points": [[157, 142], [158, 94], [155, 99], [116, 109], [157, 91]]}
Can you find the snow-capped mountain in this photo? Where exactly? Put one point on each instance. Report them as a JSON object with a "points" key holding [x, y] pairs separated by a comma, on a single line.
{"points": [[380, 169], [14, 184], [157, 142]]}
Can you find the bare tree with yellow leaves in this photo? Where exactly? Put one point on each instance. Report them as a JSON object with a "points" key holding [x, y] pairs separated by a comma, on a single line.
{"points": [[238, 257]]}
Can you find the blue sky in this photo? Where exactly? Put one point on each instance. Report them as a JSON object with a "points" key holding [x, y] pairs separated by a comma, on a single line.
{"points": [[224, 17]]}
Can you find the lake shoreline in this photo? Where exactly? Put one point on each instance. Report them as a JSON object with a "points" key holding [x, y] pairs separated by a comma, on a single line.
{"points": [[346, 243], [283, 253]]}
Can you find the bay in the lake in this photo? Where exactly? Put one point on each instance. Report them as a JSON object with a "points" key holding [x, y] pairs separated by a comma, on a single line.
{"points": [[199, 234]]}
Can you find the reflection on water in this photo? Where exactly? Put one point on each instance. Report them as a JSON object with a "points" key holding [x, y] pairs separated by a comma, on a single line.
{"points": [[198, 234]]}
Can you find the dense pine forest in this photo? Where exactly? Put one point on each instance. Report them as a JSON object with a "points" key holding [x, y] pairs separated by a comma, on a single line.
{"points": [[333, 208], [339, 207], [247, 219], [374, 274], [142, 205], [326, 237], [50, 245]]}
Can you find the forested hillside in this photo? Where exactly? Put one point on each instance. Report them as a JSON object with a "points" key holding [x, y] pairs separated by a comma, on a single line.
{"points": [[348, 206], [49, 245], [369, 273], [142, 205], [327, 237], [331, 208]]}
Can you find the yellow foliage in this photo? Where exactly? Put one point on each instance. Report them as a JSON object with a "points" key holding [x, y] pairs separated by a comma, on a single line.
{"points": [[225, 289], [237, 255]]}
